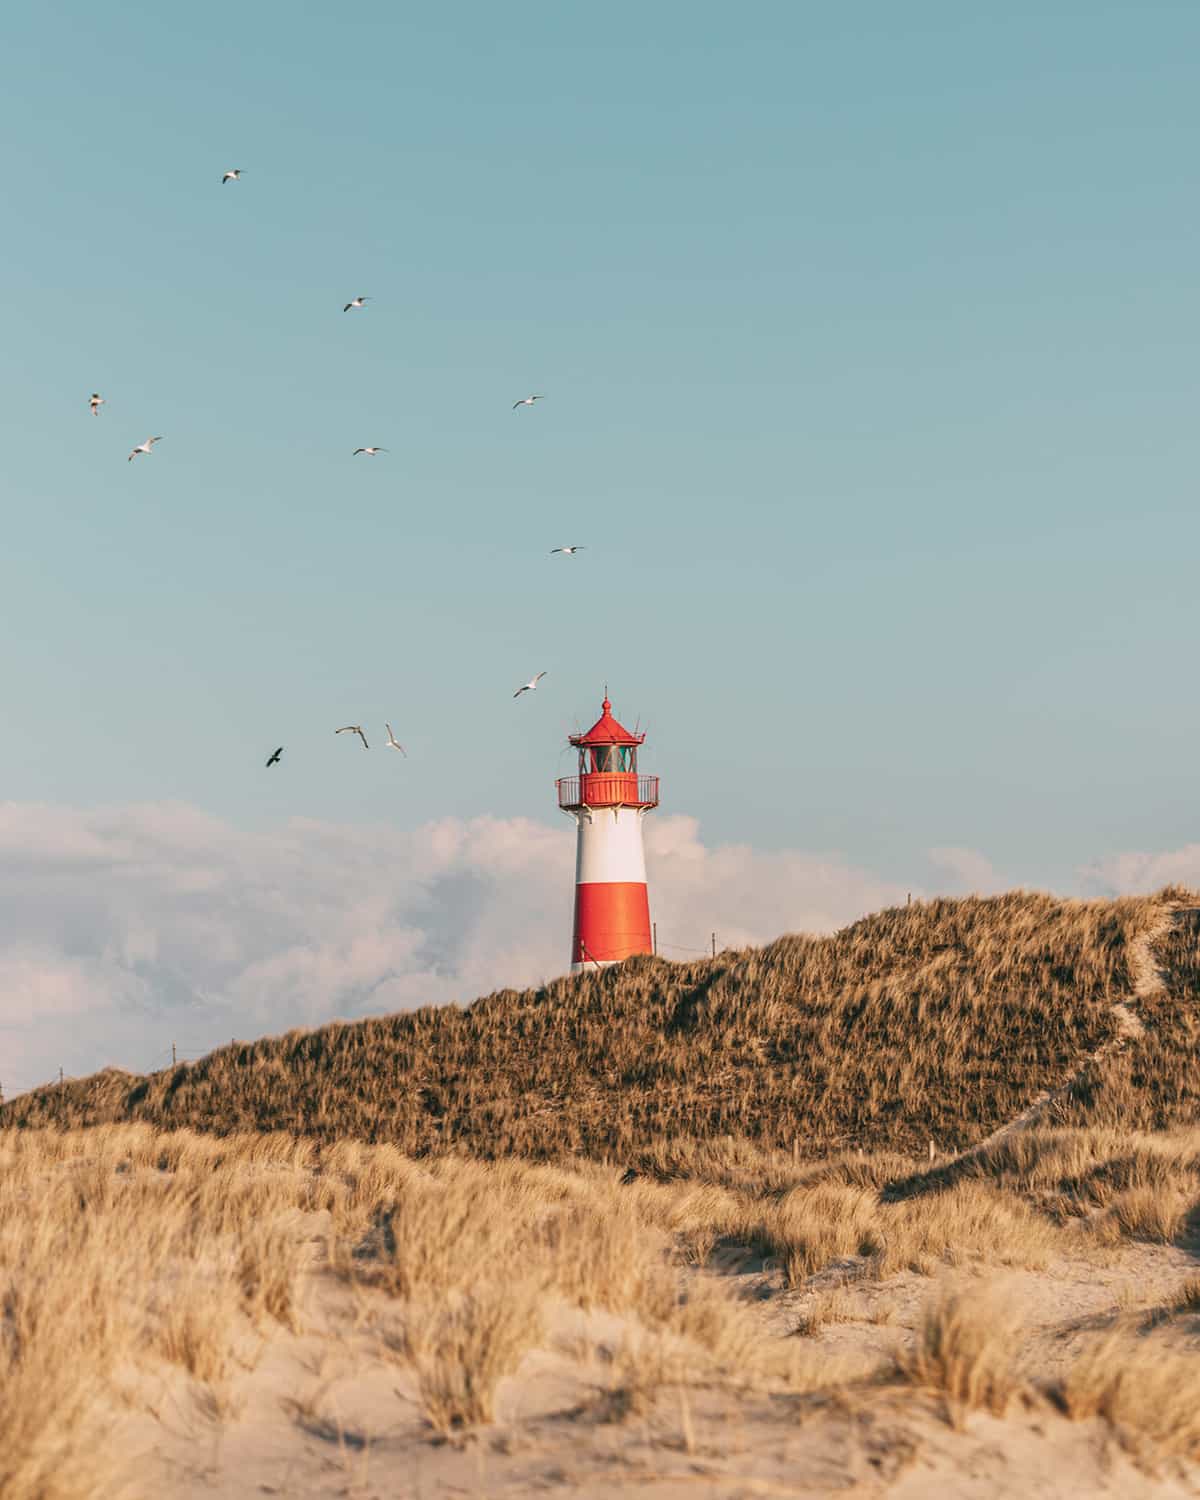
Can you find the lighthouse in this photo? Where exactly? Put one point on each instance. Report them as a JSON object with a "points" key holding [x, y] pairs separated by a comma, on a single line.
{"points": [[608, 800]]}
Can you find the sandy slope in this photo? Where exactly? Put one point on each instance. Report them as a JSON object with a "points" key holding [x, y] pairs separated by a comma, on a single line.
{"points": [[331, 1412], [266, 1313]]}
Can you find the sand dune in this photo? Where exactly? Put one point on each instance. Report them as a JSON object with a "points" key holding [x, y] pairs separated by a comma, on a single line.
{"points": [[189, 1316], [883, 1285]]}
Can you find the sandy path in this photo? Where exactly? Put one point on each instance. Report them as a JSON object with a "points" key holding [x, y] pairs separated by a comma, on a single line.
{"points": [[1148, 979]]}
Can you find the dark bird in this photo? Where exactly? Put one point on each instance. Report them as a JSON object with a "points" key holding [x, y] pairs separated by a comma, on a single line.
{"points": [[354, 729], [274, 761]]}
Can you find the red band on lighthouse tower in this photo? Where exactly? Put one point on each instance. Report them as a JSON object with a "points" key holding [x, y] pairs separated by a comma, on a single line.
{"points": [[608, 800], [612, 921]]}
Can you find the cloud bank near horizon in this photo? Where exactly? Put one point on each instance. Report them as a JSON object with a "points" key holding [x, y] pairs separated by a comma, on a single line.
{"points": [[1138, 873], [124, 929]]}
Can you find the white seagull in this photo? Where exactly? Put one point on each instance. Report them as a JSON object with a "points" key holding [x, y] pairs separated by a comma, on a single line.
{"points": [[233, 175], [570, 551], [370, 452], [354, 729], [355, 302], [530, 685], [393, 742], [526, 401], [95, 402], [146, 447]]}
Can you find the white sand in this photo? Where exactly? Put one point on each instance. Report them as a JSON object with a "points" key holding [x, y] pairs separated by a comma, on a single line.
{"points": [[330, 1412]]}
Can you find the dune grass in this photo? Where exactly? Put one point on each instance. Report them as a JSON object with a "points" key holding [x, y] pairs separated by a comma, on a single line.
{"points": [[963, 1351], [125, 1249], [933, 1023], [1149, 1393], [774, 1106]]}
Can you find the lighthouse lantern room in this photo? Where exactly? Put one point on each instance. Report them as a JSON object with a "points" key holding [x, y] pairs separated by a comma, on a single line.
{"points": [[608, 800]]}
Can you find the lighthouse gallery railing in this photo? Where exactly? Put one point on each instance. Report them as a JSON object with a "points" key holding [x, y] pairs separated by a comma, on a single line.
{"points": [[604, 789]]}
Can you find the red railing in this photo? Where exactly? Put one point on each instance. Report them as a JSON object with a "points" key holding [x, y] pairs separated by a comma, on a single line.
{"points": [[608, 789]]}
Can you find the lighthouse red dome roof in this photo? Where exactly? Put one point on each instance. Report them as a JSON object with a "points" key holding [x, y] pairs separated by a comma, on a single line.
{"points": [[606, 731]]}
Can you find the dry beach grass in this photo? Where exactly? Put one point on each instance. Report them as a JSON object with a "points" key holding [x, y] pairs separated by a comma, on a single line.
{"points": [[935, 1022], [145, 1275], [197, 1311]]}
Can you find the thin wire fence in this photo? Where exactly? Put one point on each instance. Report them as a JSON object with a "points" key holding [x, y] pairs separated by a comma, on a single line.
{"points": [[193, 1049], [658, 946], [14, 1084]]}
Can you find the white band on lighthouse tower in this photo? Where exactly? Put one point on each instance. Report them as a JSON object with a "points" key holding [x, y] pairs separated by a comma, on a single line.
{"points": [[608, 800], [609, 846]]}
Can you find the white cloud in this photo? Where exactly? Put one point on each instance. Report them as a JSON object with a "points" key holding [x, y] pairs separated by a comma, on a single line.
{"points": [[1137, 873], [970, 871], [123, 929], [746, 895]]}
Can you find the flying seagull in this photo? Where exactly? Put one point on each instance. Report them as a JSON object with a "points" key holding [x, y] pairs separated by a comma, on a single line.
{"points": [[146, 447], [525, 401], [393, 742], [530, 685], [274, 760], [232, 175], [567, 550], [354, 729], [371, 452], [355, 302], [95, 401]]}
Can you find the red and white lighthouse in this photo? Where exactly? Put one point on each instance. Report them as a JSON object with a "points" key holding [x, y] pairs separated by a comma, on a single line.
{"points": [[608, 800]]}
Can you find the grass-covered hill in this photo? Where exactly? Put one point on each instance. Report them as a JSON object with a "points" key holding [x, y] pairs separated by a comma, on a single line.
{"points": [[939, 1021]]}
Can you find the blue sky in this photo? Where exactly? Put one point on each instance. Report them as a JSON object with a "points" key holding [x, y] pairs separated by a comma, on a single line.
{"points": [[867, 336]]}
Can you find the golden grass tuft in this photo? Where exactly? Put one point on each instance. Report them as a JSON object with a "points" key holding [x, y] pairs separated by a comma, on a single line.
{"points": [[270, 1261], [50, 1444], [835, 1304], [1156, 1214], [964, 1352], [120, 1249], [463, 1348], [195, 1328], [1149, 1392], [1187, 1298]]}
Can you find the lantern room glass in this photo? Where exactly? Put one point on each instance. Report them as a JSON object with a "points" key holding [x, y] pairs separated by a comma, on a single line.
{"points": [[614, 759]]}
